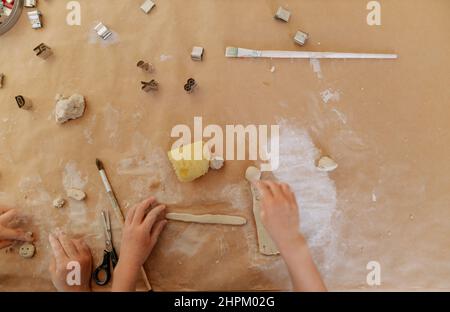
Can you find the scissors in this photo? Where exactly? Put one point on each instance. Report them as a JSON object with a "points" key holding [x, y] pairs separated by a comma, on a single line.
{"points": [[109, 255]]}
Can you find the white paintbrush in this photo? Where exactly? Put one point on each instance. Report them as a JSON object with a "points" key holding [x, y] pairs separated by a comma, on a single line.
{"points": [[117, 210], [248, 53]]}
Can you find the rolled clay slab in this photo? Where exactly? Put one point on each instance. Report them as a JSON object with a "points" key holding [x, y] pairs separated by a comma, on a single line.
{"points": [[206, 219]]}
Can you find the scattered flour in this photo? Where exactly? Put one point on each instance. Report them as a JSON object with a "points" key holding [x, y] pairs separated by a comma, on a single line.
{"points": [[164, 57], [315, 64], [330, 95], [340, 115]]}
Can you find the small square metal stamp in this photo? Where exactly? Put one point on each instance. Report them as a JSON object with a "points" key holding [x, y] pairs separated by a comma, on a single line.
{"points": [[197, 53], [152, 85], [190, 85], [103, 31], [43, 51], [147, 6], [283, 14], [301, 37]]}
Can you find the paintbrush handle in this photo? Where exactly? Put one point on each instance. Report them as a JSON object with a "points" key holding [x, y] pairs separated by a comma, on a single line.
{"points": [[115, 206]]}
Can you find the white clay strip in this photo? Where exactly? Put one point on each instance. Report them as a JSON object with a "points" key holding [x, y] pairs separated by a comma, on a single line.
{"points": [[206, 219], [240, 52], [266, 245]]}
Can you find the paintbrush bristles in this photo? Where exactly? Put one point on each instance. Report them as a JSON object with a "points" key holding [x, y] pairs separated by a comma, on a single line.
{"points": [[99, 164]]}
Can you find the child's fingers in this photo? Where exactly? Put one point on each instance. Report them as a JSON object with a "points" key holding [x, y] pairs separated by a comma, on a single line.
{"points": [[152, 216], [8, 216], [68, 246], [275, 188], [142, 209], [57, 248], [16, 234], [130, 215], [157, 229], [5, 243], [288, 193], [264, 189], [81, 246]]}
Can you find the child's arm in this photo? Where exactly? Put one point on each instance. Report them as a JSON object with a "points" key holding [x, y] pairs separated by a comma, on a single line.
{"points": [[280, 216], [143, 225], [7, 234]]}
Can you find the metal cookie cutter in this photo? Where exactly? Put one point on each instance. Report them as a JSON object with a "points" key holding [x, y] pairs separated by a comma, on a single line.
{"points": [[23, 103], [152, 85], [1, 80], [190, 85], [43, 51], [197, 53], [283, 14], [145, 66], [35, 19], [301, 37], [103, 31]]}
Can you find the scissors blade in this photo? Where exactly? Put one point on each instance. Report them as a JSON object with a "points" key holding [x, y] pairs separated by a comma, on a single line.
{"points": [[107, 226]]}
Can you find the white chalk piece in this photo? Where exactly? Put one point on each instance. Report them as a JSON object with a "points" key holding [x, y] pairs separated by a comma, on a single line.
{"points": [[43, 51], [76, 194], [27, 250], [147, 6], [197, 53], [301, 37], [283, 14], [326, 164]]}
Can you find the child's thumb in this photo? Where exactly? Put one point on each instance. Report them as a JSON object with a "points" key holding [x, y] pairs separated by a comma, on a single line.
{"points": [[17, 234]]}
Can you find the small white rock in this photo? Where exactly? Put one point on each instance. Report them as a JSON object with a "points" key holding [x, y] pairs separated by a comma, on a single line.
{"points": [[76, 194], [59, 202], [216, 162], [326, 164]]}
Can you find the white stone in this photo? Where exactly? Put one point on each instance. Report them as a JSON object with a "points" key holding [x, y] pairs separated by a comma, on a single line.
{"points": [[71, 108], [76, 194], [326, 164], [59, 202]]}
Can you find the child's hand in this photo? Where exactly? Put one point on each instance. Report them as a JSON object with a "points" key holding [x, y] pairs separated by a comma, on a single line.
{"points": [[142, 227], [66, 250], [7, 234], [279, 213]]}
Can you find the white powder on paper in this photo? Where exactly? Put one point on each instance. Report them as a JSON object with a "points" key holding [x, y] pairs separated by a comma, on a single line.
{"points": [[330, 95], [315, 64]]}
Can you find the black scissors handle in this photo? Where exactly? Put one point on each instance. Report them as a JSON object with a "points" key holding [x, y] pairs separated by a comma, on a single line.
{"points": [[105, 267]]}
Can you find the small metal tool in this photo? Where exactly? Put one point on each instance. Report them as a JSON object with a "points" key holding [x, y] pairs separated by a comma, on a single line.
{"points": [[35, 19], [197, 53], [23, 103], [283, 14], [190, 85], [145, 66], [152, 85], [109, 255], [43, 51], [103, 31], [147, 6], [301, 37]]}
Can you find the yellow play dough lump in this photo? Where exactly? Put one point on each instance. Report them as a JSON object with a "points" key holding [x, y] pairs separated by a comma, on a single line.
{"points": [[188, 169]]}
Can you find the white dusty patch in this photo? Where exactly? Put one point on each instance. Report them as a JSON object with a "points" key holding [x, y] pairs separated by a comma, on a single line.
{"points": [[330, 95]]}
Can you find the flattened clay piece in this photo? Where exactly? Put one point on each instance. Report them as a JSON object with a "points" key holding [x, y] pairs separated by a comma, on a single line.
{"points": [[216, 162], [76, 194], [326, 164], [266, 244], [27, 251], [71, 108], [59, 203], [252, 174], [207, 219]]}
